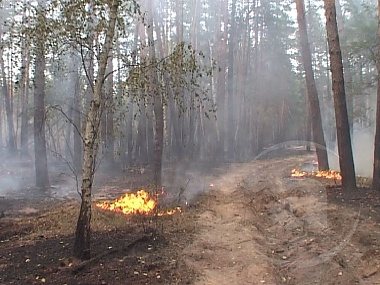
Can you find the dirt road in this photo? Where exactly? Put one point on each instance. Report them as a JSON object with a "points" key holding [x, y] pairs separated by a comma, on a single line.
{"points": [[260, 226]]}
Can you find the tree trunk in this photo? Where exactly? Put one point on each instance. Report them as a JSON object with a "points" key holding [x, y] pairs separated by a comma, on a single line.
{"points": [[376, 159], [41, 168], [308, 126], [312, 93], [110, 114], [8, 107], [91, 143], [329, 102], [346, 160], [230, 84], [348, 77], [123, 131], [76, 120], [24, 95], [175, 145], [158, 108], [221, 52], [141, 149]]}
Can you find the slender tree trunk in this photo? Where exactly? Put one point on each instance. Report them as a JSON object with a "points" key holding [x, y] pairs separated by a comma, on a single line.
{"points": [[329, 102], [308, 126], [91, 143], [179, 20], [376, 159], [313, 100], [346, 160], [174, 116], [230, 83], [76, 121], [259, 67], [130, 130], [8, 107], [41, 168], [221, 113], [348, 78], [1, 129], [141, 149], [103, 129], [158, 108], [24, 95], [110, 141], [107, 117], [69, 156], [123, 131]]}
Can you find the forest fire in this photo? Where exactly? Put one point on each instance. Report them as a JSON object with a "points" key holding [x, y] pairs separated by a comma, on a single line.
{"points": [[136, 203], [328, 174]]}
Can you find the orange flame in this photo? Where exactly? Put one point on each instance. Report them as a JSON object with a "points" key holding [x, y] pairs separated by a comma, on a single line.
{"points": [[298, 173], [328, 174], [170, 212], [136, 203]]}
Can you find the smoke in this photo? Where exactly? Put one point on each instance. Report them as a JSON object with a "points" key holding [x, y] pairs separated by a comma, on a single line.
{"points": [[185, 181], [362, 148], [13, 175], [9, 184]]}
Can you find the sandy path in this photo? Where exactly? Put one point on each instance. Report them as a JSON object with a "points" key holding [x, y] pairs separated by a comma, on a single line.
{"points": [[225, 251], [259, 226]]}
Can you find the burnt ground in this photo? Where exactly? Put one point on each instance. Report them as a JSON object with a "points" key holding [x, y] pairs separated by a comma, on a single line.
{"points": [[254, 225]]}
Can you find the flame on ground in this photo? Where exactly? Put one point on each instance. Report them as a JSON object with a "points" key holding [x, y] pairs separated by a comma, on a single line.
{"points": [[136, 203], [169, 212], [328, 174], [298, 173]]}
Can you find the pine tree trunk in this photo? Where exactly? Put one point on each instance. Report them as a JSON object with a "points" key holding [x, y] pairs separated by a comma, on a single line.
{"points": [[230, 84], [376, 160], [8, 108], [141, 149], [76, 121], [41, 168], [348, 78], [175, 145], [110, 141], [316, 120], [221, 112], [158, 108], [69, 128], [91, 143], [346, 160], [123, 131], [24, 95], [308, 127]]}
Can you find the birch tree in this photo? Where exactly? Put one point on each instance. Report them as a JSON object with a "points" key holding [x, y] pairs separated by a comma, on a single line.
{"points": [[91, 139]]}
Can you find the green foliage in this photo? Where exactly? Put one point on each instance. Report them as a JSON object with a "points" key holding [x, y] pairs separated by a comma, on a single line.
{"points": [[362, 32], [84, 21], [182, 73]]}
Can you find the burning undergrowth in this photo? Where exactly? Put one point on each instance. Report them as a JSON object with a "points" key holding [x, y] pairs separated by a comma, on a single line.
{"points": [[39, 248], [311, 170], [141, 202]]}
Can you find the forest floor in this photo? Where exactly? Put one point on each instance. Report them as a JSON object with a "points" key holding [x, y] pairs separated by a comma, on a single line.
{"points": [[246, 223]]}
